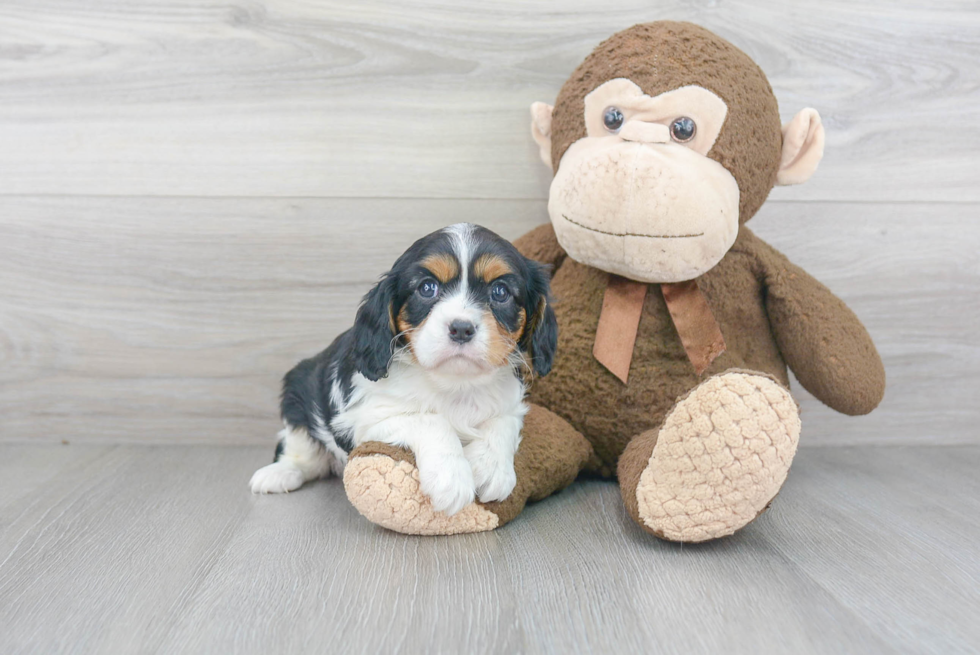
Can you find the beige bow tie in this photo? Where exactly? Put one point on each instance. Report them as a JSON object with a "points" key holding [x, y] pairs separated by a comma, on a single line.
{"points": [[622, 306]]}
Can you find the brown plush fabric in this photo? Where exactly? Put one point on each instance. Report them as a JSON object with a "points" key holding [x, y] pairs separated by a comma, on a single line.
{"points": [[541, 245], [767, 309], [819, 336], [666, 55], [629, 468]]}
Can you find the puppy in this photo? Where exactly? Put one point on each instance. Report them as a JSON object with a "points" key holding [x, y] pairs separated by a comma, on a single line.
{"points": [[437, 362]]}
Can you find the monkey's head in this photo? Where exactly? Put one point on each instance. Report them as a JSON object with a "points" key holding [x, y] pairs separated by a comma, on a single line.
{"points": [[663, 141]]}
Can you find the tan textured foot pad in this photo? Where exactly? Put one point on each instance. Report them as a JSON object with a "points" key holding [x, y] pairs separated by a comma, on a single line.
{"points": [[721, 456], [387, 492]]}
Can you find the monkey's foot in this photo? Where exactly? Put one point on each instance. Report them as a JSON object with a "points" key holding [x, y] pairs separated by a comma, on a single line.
{"points": [[382, 482], [718, 460]]}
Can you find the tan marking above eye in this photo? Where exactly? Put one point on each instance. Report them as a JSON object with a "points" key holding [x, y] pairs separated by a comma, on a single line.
{"points": [[443, 266], [490, 267]]}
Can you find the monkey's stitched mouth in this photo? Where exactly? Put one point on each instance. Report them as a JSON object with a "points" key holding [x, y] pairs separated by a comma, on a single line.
{"points": [[634, 234]]}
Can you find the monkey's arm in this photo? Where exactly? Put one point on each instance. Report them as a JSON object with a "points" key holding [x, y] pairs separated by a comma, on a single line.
{"points": [[541, 244], [820, 338]]}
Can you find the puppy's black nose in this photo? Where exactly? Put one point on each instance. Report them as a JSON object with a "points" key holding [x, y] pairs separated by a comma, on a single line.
{"points": [[461, 331]]}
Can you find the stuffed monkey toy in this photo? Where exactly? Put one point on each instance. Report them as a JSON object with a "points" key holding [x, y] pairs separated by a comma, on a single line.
{"points": [[676, 323]]}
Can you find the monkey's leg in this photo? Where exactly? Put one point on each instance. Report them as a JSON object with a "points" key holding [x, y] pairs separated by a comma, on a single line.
{"points": [[716, 462], [382, 481]]}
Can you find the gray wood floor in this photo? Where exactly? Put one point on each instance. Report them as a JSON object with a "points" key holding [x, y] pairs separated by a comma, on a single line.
{"points": [[142, 549]]}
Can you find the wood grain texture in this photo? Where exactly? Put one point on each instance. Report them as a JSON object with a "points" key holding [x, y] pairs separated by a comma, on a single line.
{"points": [[173, 320], [430, 99], [194, 195], [163, 550]]}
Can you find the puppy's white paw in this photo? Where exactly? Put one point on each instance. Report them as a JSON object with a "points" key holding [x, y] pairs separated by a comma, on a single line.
{"points": [[276, 478], [494, 478], [448, 482], [498, 485]]}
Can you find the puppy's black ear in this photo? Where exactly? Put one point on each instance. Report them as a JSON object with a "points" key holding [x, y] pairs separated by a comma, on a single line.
{"points": [[374, 330], [540, 340]]}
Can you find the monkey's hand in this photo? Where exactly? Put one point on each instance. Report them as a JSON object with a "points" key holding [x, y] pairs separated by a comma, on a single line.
{"points": [[820, 338], [541, 245]]}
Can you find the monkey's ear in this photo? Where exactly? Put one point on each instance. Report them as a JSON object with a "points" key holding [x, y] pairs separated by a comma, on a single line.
{"points": [[802, 148], [541, 129]]}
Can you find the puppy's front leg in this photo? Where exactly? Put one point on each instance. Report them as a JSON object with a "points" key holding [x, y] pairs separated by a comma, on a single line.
{"points": [[445, 475], [491, 455]]}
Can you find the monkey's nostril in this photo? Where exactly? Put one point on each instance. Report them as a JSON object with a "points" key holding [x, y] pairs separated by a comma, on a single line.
{"points": [[461, 331]]}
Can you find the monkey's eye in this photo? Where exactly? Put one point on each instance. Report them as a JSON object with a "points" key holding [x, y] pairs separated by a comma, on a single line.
{"points": [[499, 292], [612, 118], [683, 129], [428, 289]]}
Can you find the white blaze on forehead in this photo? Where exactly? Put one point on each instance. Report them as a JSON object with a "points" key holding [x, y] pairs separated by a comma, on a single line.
{"points": [[461, 235]]}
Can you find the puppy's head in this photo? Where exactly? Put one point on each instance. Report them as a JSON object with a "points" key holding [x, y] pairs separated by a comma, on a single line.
{"points": [[461, 301]]}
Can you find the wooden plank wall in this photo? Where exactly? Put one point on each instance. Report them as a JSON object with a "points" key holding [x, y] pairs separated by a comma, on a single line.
{"points": [[193, 195]]}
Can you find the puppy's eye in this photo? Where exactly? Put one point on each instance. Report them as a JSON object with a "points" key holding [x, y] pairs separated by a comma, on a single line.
{"points": [[612, 118], [499, 292], [683, 129], [428, 289]]}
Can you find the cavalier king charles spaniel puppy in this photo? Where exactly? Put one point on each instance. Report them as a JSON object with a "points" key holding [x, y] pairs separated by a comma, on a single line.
{"points": [[438, 361]]}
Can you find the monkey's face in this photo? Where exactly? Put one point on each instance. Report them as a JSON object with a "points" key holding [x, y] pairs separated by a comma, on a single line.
{"points": [[638, 196], [653, 184]]}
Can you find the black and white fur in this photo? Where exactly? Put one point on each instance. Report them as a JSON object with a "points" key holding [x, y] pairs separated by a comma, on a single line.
{"points": [[407, 374]]}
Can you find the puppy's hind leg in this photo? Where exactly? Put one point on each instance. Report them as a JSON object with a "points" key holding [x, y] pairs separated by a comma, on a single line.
{"points": [[299, 458]]}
